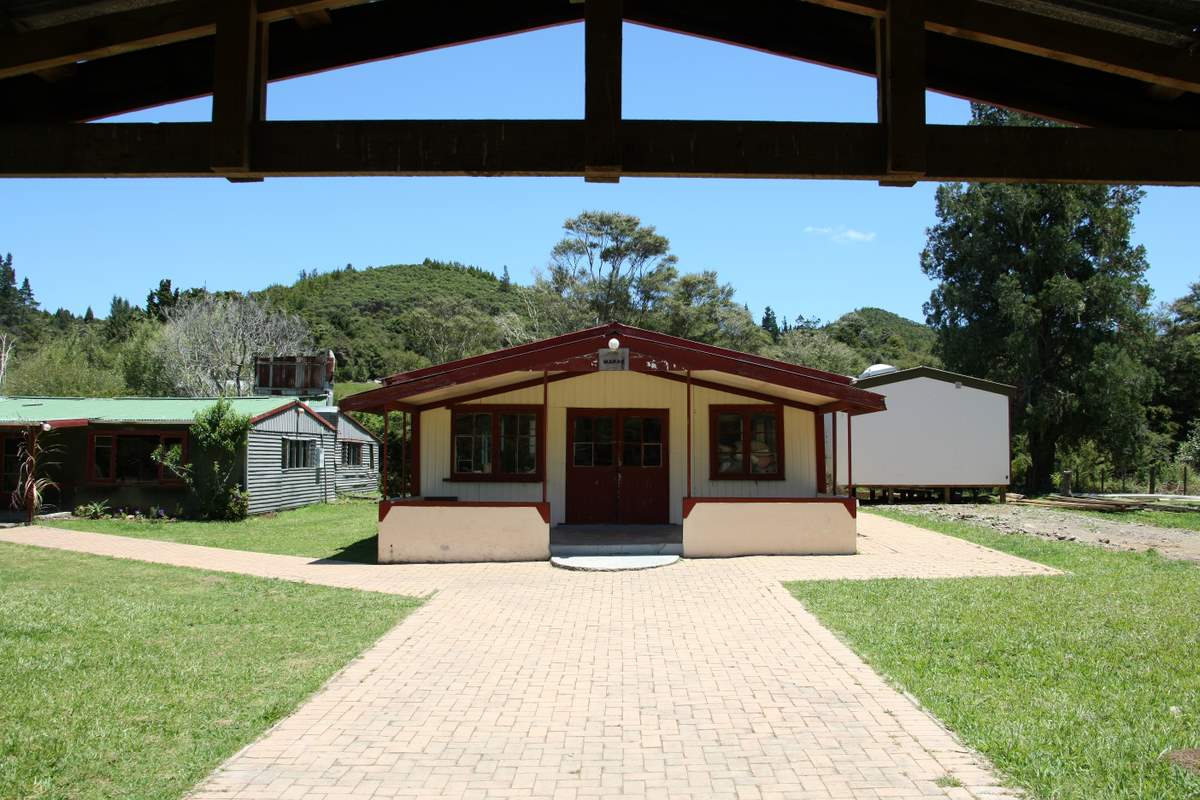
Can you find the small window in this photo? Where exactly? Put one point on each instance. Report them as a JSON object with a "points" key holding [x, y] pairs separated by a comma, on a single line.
{"points": [[352, 454], [314, 375], [593, 442], [299, 453], [128, 457], [283, 376], [746, 442], [102, 458], [12, 463], [499, 443]]}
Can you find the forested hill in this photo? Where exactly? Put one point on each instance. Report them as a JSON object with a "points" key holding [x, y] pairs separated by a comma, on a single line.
{"points": [[377, 320], [382, 319], [882, 337]]}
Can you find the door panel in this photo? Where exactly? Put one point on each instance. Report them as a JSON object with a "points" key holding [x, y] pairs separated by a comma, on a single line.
{"points": [[617, 470], [591, 467]]}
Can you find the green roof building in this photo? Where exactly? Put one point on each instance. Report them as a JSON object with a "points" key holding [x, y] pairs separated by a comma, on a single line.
{"points": [[100, 449]]}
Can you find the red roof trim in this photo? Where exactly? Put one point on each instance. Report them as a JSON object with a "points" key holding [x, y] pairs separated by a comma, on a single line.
{"points": [[287, 407], [557, 353]]}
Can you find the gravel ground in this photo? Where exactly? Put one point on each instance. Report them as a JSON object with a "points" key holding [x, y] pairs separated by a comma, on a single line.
{"points": [[1114, 534]]}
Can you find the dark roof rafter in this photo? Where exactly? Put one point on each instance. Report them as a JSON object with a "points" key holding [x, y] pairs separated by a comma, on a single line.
{"points": [[956, 66], [138, 29], [1054, 38]]}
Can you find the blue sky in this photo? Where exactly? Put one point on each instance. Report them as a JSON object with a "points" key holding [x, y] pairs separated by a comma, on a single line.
{"points": [[813, 248]]}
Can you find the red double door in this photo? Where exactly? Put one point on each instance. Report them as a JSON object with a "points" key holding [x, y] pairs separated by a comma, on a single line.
{"points": [[617, 466]]}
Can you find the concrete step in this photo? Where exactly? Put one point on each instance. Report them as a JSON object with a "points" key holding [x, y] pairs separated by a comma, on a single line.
{"points": [[640, 549]]}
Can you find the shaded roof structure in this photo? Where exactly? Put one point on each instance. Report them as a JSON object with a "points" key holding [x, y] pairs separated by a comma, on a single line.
{"points": [[1126, 73], [898, 375], [73, 411], [649, 353]]}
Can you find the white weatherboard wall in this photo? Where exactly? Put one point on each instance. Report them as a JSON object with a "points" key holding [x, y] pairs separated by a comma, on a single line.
{"points": [[621, 390], [933, 433]]}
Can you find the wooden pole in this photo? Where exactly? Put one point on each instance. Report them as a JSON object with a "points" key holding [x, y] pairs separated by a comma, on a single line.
{"points": [[602, 28], [383, 487], [545, 425], [900, 75], [237, 84], [689, 433], [404, 454], [834, 489], [849, 454]]}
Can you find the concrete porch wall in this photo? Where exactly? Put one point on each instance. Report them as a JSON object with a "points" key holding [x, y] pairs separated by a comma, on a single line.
{"points": [[724, 527], [420, 531]]}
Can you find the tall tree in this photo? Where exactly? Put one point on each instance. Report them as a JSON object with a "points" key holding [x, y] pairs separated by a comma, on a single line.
{"points": [[699, 307], [10, 299], [819, 350], [770, 324], [212, 341], [25, 293], [1177, 358], [161, 300], [619, 267], [1040, 286], [122, 318]]}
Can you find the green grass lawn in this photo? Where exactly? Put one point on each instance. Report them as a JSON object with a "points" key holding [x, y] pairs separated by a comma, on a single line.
{"points": [[343, 530], [130, 680], [1073, 685]]}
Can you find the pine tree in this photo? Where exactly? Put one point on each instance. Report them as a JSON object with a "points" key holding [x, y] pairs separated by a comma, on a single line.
{"points": [[505, 280], [10, 301], [161, 300], [122, 315], [26, 296], [770, 324], [89, 315]]}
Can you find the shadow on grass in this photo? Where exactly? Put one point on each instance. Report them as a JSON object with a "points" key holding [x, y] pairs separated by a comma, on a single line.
{"points": [[364, 551]]}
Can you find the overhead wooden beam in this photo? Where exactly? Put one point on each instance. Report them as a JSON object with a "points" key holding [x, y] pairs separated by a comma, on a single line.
{"points": [[127, 31], [652, 148], [238, 85], [900, 74], [1049, 37], [602, 21]]}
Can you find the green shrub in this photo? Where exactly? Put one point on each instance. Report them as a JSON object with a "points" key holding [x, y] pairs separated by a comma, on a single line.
{"points": [[218, 437], [96, 510]]}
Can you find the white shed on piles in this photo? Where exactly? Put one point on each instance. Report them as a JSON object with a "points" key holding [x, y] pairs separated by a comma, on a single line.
{"points": [[941, 430]]}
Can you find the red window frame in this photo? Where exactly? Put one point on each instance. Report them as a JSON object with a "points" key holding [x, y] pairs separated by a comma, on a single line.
{"points": [[496, 476], [165, 476], [714, 413]]}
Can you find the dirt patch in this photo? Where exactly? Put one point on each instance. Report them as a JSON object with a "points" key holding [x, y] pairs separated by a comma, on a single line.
{"points": [[1188, 759], [1049, 523]]}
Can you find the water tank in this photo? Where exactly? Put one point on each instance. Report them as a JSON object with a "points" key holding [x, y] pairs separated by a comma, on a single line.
{"points": [[877, 369]]}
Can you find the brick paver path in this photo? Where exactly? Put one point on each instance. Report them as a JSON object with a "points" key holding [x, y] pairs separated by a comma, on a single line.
{"points": [[705, 679]]}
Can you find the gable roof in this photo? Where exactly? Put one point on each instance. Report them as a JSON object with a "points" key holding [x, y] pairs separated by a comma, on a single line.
{"points": [[114, 56], [938, 375], [577, 353], [133, 410]]}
